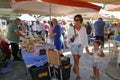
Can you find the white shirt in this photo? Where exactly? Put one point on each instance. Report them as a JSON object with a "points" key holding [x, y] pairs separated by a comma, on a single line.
{"points": [[82, 36], [34, 27], [96, 58], [40, 27]]}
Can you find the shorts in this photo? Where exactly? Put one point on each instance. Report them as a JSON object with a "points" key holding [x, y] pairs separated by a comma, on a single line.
{"points": [[76, 49], [97, 65]]}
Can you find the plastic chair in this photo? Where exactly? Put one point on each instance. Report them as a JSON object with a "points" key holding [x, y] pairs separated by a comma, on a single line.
{"points": [[55, 61], [114, 50]]}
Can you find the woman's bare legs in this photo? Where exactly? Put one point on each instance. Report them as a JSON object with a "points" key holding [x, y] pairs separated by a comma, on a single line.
{"points": [[66, 44], [76, 58]]}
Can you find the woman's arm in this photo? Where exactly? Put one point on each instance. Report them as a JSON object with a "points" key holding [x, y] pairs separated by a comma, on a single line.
{"points": [[53, 34], [88, 51]]}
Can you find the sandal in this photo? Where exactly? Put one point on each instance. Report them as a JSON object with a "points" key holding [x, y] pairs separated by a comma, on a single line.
{"points": [[77, 78]]}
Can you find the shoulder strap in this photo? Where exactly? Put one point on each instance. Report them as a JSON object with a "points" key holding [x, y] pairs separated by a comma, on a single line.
{"points": [[74, 30]]}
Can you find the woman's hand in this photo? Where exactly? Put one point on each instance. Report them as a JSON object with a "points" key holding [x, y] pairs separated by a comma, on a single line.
{"points": [[75, 35], [88, 51]]}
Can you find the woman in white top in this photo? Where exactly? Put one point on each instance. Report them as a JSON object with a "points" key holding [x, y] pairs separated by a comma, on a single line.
{"points": [[78, 32]]}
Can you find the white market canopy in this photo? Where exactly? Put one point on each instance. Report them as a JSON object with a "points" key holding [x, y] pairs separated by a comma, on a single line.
{"points": [[35, 8], [116, 2], [110, 5], [43, 8], [27, 17]]}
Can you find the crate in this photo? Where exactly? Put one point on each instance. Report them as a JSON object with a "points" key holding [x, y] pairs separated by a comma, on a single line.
{"points": [[66, 70], [39, 73], [42, 52]]}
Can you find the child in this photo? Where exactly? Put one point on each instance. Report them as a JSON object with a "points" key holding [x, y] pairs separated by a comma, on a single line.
{"points": [[97, 54]]}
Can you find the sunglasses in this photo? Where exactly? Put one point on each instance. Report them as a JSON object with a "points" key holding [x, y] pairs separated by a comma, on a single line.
{"points": [[77, 20]]}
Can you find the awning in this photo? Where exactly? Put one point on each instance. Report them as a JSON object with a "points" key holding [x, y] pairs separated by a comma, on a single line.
{"points": [[44, 8], [102, 1]]}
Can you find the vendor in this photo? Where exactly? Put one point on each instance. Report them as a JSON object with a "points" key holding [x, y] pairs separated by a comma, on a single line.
{"points": [[14, 37]]}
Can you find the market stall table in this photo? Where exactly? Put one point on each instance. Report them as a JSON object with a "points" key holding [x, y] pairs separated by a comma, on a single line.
{"points": [[31, 60]]}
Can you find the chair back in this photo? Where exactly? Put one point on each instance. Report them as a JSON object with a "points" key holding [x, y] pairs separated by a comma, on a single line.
{"points": [[53, 57]]}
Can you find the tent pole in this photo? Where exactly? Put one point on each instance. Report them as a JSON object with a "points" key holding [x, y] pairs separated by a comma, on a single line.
{"points": [[50, 11]]}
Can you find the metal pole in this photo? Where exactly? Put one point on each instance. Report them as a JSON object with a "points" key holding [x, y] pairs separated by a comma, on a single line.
{"points": [[50, 11]]}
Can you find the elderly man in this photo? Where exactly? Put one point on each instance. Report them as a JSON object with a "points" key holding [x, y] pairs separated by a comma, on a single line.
{"points": [[14, 37]]}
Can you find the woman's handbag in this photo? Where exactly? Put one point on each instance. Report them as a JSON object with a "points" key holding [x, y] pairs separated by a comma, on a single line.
{"points": [[72, 39]]}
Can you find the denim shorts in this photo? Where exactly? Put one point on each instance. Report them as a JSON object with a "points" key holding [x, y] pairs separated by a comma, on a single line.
{"points": [[97, 65], [76, 49]]}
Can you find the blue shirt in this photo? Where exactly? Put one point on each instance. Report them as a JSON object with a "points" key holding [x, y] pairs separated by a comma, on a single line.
{"points": [[99, 28]]}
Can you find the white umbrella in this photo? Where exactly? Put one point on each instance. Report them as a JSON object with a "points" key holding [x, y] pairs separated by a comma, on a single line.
{"points": [[103, 1], [45, 18], [43, 8], [27, 17]]}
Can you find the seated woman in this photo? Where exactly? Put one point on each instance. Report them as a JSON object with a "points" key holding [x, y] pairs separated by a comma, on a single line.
{"points": [[112, 30]]}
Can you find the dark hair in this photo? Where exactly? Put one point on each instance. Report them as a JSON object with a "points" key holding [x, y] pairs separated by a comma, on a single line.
{"points": [[100, 18], [51, 23], [79, 16], [17, 19], [98, 42]]}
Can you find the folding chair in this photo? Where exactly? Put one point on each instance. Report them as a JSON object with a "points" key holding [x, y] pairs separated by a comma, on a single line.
{"points": [[55, 61]]}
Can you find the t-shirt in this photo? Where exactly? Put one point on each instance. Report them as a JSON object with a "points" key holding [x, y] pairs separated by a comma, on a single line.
{"points": [[46, 26], [99, 28], [11, 35]]}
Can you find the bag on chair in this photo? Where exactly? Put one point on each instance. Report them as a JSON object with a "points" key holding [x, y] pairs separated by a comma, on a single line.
{"points": [[65, 60]]}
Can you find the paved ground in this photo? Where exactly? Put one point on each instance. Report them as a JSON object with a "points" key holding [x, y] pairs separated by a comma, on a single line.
{"points": [[19, 72], [86, 68], [113, 70]]}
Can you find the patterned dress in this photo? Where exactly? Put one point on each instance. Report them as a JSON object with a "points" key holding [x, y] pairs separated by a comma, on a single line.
{"points": [[97, 60]]}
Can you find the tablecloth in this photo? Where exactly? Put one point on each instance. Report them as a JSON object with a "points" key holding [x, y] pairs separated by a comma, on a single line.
{"points": [[36, 60]]}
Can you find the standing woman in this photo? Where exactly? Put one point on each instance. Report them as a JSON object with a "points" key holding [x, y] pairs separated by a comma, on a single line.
{"points": [[78, 32], [58, 37], [51, 39]]}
